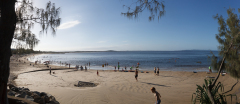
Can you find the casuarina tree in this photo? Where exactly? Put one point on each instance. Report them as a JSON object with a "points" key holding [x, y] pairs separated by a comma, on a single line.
{"points": [[229, 40], [16, 21], [155, 7]]}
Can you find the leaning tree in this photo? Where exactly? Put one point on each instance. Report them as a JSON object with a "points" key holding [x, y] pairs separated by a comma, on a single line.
{"points": [[229, 40], [228, 59], [17, 17]]}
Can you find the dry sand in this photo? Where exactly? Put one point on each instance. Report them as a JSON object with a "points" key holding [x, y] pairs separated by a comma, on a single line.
{"points": [[114, 87]]}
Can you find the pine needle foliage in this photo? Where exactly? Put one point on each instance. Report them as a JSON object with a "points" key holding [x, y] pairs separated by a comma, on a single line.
{"points": [[228, 37], [28, 15], [155, 7]]}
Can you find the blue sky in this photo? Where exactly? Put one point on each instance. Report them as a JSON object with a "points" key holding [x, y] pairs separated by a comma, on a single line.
{"points": [[97, 25]]}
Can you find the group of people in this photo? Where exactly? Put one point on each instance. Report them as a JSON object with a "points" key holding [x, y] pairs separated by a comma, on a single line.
{"points": [[124, 68], [104, 65], [156, 71], [81, 67]]}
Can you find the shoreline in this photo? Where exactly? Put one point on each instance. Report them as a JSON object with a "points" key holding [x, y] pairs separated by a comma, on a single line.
{"points": [[185, 68]]}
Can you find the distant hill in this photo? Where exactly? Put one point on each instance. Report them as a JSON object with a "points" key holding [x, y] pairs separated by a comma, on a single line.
{"points": [[110, 50]]}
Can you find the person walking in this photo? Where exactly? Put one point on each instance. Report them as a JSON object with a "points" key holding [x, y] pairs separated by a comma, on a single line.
{"points": [[81, 67], [158, 71], [156, 95], [50, 71], [154, 70], [136, 74], [210, 70]]}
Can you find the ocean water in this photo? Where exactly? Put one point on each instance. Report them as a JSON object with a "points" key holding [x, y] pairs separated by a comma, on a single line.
{"points": [[165, 60]]}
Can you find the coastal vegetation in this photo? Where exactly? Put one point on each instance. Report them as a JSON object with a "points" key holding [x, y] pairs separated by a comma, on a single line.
{"points": [[23, 51], [17, 18], [155, 7], [228, 60], [201, 93]]}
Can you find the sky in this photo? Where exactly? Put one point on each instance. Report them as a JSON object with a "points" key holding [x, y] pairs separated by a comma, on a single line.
{"points": [[97, 25]]}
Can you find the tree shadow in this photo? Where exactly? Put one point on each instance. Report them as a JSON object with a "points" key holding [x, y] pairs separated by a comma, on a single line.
{"points": [[167, 76], [42, 70], [72, 71], [155, 84], [54, 75]]}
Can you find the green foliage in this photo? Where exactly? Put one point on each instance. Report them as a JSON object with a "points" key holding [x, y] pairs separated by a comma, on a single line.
{"points": [[229, 31], [23, 51], [216, 62], [202, 96], [155, 7], [27, 15]]}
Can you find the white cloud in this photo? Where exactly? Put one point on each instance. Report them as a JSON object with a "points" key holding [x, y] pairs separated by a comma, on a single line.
{"points": [[102, 42], [68, 24]]}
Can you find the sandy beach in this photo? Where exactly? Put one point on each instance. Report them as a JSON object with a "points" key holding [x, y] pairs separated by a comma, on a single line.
{"points": [[175, 87]]}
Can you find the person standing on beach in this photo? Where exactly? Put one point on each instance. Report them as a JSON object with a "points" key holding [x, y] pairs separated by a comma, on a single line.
{"points": [[210, 70], [118, 65], [50, 70], [156, 95], [97, 73], [81, 67], [136, 74], [154, 70], [158, 71], [89, 65]]}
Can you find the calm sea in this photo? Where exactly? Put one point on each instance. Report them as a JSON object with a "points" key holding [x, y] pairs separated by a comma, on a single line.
{"points": [[165, 60]]}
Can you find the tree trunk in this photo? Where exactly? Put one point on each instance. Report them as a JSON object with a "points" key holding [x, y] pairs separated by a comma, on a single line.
{"points": [[214, 82], [7, 28]]}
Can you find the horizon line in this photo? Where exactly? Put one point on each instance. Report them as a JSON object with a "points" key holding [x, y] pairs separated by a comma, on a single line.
{"points": [[129, 50]]}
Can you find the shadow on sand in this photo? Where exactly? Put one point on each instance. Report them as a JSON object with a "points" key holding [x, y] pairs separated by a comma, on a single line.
{"points": [[54, 75], [43, 70], [155, 84], [167, 76]]}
